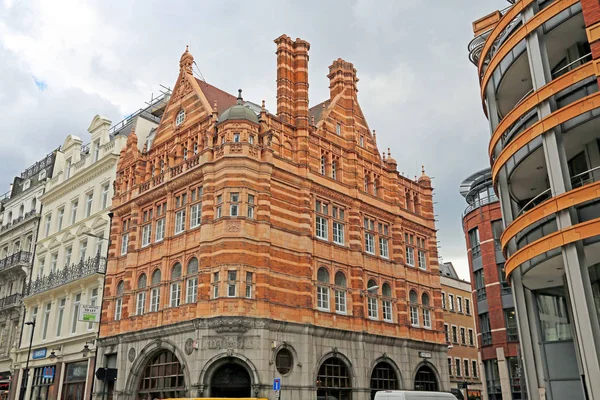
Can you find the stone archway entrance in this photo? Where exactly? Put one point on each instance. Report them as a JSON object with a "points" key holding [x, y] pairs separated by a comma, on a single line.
{"points": [[231, 380], [426, 380]]}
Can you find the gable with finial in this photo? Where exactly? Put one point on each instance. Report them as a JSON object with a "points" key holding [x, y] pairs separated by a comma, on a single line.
{"points": [[130, 153]]}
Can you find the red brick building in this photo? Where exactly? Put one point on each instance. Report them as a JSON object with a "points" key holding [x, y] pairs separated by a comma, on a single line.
{"points": [[497, 336], [248, 245]]}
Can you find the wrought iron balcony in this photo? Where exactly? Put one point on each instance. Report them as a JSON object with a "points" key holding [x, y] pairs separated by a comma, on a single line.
{"points": [[18, 258], [11, 301], [93, 265]]}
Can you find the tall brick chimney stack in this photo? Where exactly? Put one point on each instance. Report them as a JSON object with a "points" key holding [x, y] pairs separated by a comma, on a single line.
{"points": [[292, 80], [342, 77]]}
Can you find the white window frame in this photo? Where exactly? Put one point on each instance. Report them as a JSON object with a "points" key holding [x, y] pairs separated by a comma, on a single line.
{"points": [[61, 315], [387, 311], [384, 247], [89, 203], [160, 230], [410, 256], [414, 315], [323, 298], [321, 231], [422, 260], [426, 318], [75, 316], [338, 233], [195, 215], [146, 233], [124, 243], [140, 303], [179, 221], [459, 305], [154, 299], [372, 307], [443, 300], [74, 207], [118, 308], [340, 301], [180, 117], [369, 243], [191, 289], [451, 301], [232, 284], [105, 191], [175, 294]]}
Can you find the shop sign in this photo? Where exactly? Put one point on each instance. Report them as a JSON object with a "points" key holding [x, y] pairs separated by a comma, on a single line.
{"points": [[89, 313], [48, 372], [39, 353]]}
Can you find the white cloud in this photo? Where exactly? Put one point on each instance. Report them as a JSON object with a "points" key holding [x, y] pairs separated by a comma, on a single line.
{"points": [[417, 87]]}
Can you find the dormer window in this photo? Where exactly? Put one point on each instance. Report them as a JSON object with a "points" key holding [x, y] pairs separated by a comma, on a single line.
{"points": [[180, 117], [362, 141], [68, 169]]}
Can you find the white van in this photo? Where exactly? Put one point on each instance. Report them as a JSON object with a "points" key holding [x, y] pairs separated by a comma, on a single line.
{"points": [[410, 395]]}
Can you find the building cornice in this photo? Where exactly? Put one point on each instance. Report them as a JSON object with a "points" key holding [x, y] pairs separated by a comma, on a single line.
{"points": [[96, 169]]}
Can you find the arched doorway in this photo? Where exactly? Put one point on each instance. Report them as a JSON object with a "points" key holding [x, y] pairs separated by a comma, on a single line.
{"points": [[162, 377], [231, 380], [426, 380], [383, 377], [333, 380]]}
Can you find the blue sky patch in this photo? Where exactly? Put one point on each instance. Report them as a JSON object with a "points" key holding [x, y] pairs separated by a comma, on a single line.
{"points": [[40, 84]]}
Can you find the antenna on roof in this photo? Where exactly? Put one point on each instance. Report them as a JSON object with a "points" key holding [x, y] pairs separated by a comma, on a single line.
{"points": [[199, 72]]}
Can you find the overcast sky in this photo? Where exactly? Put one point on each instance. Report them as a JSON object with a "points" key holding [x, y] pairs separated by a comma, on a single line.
{"points": [[62, 62]]}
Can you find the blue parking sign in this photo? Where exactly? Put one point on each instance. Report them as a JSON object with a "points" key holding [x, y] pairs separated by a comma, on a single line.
{"points": [[277, 384]]}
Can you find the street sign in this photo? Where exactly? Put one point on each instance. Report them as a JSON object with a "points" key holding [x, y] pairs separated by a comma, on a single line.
{"points": [[277, 384], [425, 354], [89, 313], [38, 353]]}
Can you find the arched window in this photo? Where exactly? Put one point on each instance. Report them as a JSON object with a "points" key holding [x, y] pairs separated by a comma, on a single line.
{"points": [[155, 292], [33, 204], [175, 298], [9, 217], [333, 380], [119, 301], [162, 378], [162, 166], [426, 380], [372, 289], [17, 247], [414, 308], [140, 304], [21, 211], [340, 292], [192, 281], [426, 311], [323, 289], [386, 291], [383, 377]]}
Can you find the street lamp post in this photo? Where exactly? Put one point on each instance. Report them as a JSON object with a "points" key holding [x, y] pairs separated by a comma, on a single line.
{"points": [[26, 370]]}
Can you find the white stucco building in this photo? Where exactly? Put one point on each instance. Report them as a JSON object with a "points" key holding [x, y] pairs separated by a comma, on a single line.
{"points": [[68, 269], [19, 215]]}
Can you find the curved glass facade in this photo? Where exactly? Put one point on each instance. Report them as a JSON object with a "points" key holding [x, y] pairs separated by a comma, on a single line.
{"points": [[539, 87]]}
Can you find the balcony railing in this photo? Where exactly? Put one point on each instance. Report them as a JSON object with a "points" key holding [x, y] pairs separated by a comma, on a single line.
{"points": [[18, 220], [20, 257], [11, 301], [480, 202], [93, 265]]}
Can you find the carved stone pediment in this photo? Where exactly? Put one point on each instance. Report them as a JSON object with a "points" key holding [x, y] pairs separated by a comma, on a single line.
{"points": [[230, 324]]}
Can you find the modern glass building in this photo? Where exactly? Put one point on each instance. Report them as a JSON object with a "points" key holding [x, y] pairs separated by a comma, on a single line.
{"points": [[538, 68]]}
